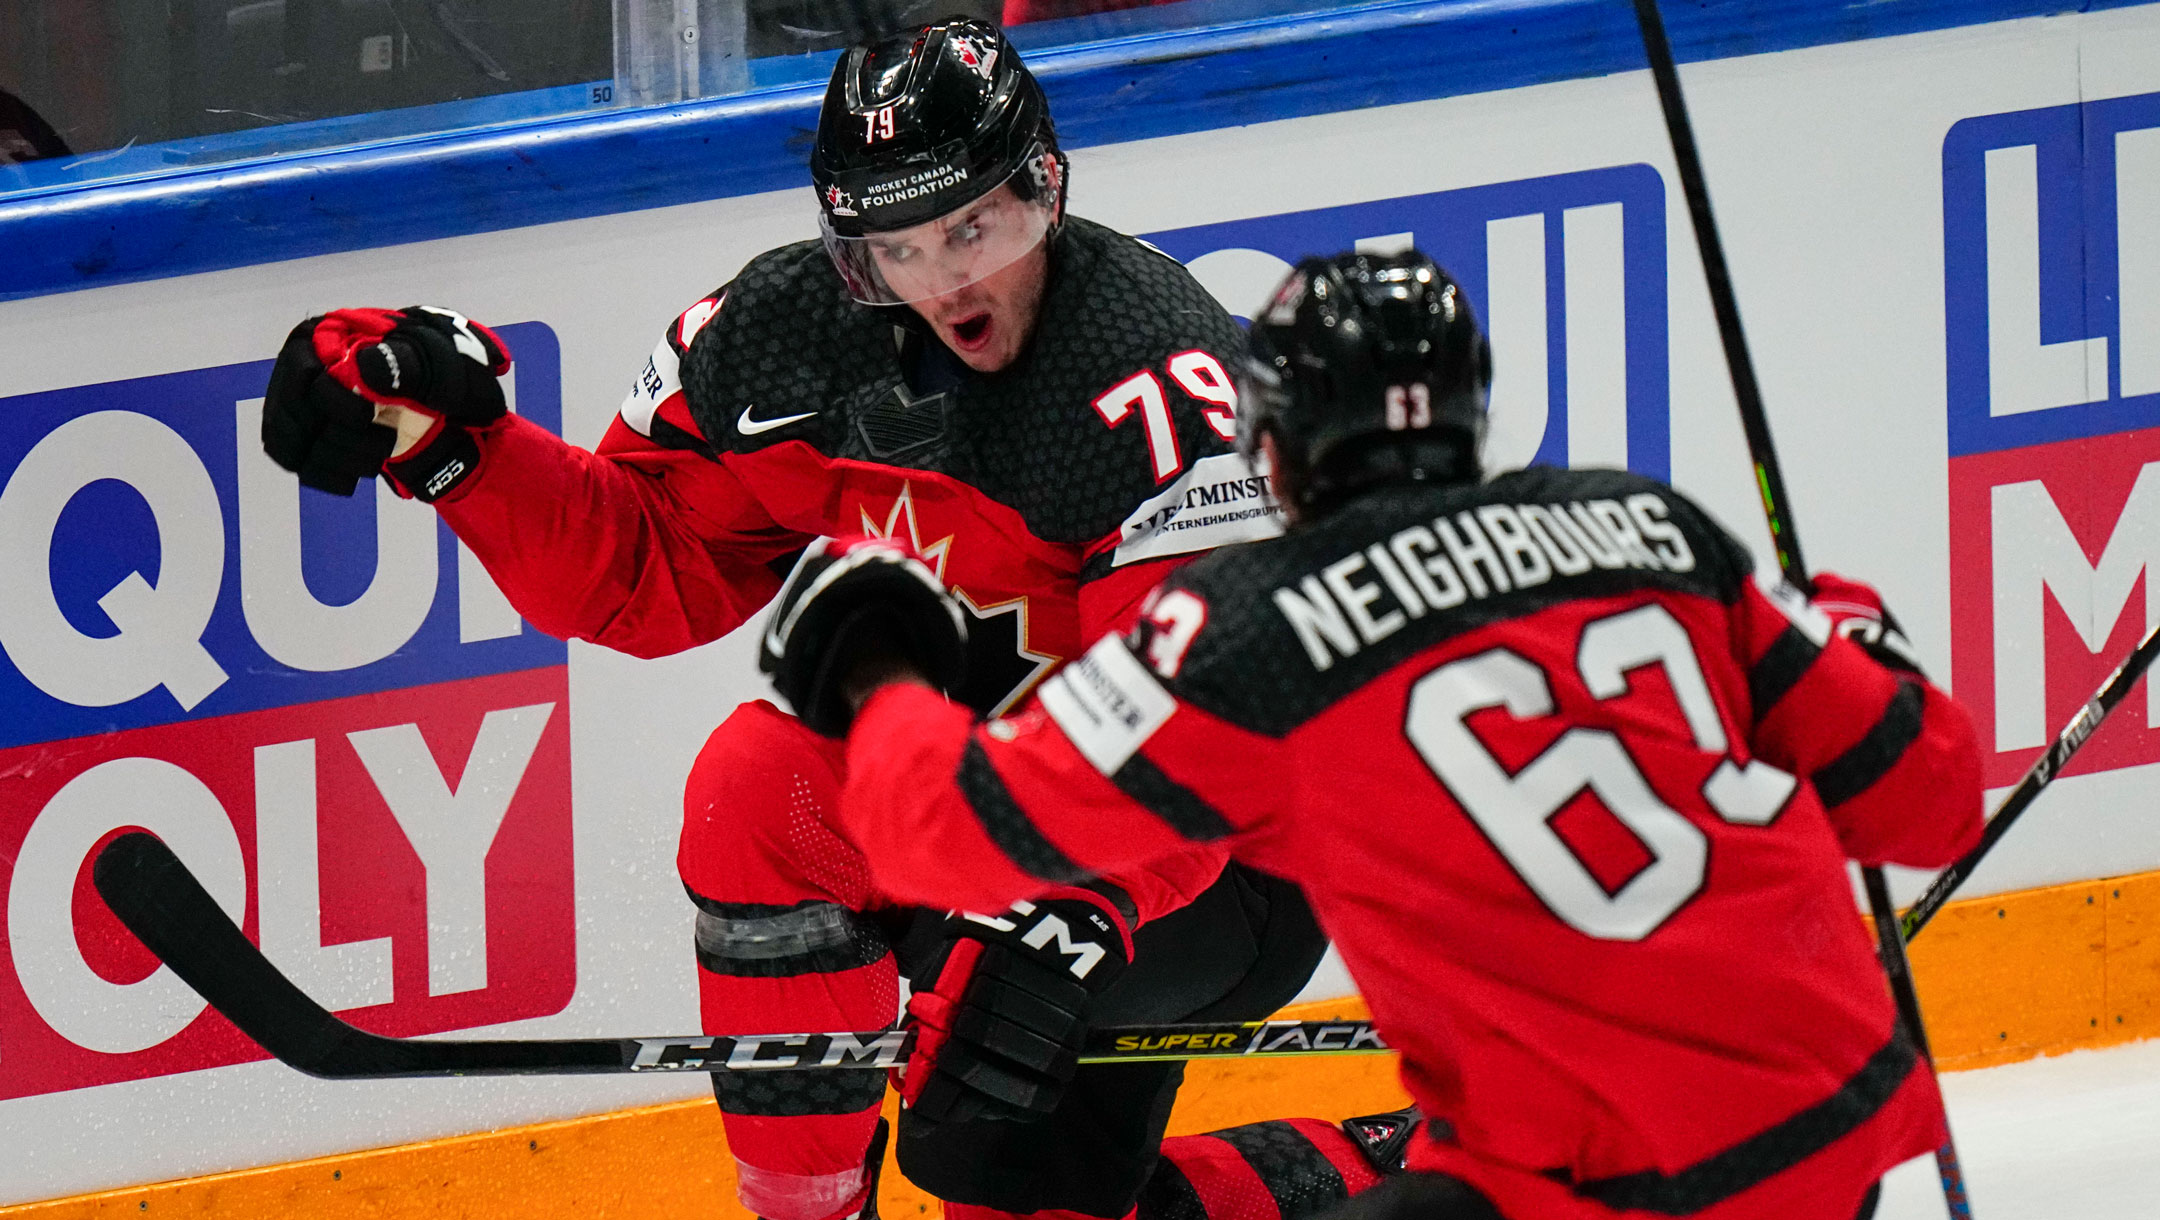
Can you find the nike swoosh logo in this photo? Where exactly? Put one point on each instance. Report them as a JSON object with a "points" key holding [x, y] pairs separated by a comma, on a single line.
{"points": [[751, 427]]}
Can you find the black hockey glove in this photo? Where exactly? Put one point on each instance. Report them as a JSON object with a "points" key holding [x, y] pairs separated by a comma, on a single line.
{"points": [[1856, 612], [998, 1034], [314, 426], [851, 602], [318, 414]]}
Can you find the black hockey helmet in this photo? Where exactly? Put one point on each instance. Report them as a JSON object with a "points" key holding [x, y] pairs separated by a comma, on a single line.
{"points": [[917, 127], [1366, 368]]}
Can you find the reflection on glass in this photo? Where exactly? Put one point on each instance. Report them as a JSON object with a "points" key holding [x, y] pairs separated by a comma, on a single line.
{"points": [[98, 89], [213, 80], [675, 50]]}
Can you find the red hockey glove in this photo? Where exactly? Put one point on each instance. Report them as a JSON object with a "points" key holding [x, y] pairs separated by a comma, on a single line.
{"points": [[434, 361], [853, 602], [999, 1033], [1856, 612]]}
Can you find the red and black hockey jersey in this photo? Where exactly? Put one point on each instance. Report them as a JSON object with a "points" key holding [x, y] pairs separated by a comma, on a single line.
{"points": [[1572, 794], [1049, 496]]}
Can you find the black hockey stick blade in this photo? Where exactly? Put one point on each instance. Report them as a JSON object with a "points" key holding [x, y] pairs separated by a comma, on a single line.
{"points": [[2044, 771], [166, 908]]}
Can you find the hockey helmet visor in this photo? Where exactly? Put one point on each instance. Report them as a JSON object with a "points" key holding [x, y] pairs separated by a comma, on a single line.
{"points": [[981, 237]]}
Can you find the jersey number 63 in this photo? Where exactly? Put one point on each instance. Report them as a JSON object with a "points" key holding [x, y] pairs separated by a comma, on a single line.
{"points": [[1515, 810]]}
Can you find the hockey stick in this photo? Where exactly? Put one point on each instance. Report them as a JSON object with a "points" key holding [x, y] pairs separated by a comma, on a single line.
{"points": [[166, 908], [1770, 483], [2044, 771]]}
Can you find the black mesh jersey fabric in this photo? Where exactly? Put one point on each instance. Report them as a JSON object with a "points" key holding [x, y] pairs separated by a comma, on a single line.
{"points": [[1251, 667], [789, 341], [797, 1093]]}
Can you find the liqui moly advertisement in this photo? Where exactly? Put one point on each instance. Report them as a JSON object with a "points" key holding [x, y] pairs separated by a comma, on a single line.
{"points": [[2052, 264], [322, 704]]}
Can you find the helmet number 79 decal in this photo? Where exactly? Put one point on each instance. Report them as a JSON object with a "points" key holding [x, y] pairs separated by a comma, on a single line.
{"points": [[878, 125]]}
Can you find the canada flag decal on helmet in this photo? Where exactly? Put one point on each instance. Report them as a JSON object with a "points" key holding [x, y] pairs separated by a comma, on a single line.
{"points": [[975, 55], [1282, 311], [839, 202]]}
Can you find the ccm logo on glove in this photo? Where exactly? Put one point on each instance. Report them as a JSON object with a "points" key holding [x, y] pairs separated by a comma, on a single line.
{"points": [[1049, 930]]}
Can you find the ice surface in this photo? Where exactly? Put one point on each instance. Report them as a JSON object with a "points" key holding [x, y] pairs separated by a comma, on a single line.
{"points": [[2076, 1137]]}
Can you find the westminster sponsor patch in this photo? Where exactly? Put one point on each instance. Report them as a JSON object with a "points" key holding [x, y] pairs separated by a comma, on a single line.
{"points": [[1218, 501], [1108, 704]]}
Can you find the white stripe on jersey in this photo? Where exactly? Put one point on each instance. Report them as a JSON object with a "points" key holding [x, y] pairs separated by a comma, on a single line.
{"points": [[661, 378], [659, 381]]}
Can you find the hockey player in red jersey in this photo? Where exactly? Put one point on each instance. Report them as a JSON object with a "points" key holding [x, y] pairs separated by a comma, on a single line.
{"points": [[1571, 792], [1040, 406]]}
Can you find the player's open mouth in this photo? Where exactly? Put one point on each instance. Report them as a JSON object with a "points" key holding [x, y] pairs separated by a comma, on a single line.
{"points": [[972, 331]]}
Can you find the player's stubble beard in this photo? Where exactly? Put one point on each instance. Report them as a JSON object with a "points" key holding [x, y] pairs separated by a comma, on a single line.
{"points": [[988, 323]]}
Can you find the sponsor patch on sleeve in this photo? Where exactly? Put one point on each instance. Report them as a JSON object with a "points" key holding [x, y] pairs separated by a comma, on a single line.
{"points": [[1107, 703], [1219, 500], [658, 381]]}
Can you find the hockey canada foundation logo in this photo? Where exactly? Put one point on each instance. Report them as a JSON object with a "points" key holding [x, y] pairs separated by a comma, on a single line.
{"points": [[913, 185], [323, 705], [1566, 272], [2051, 252]]}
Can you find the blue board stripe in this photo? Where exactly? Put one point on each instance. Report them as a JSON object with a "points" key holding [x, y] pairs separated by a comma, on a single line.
{"points": [[1159, 83]]}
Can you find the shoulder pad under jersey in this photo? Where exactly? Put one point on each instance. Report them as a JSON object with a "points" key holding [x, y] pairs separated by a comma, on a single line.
{"points": [[788, 344]]}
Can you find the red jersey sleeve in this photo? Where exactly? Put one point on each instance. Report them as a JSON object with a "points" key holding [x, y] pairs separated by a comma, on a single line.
{"points": [[1215, 500], [1893, 758], [1109, 606], [648, 546], [1104, 773]]}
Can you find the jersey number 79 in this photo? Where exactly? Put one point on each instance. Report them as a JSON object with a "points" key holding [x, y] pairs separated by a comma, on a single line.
{"points": [[1199, 375]]}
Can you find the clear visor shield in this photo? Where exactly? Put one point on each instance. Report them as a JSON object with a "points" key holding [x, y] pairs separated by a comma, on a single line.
{"points": [[944, 255]]}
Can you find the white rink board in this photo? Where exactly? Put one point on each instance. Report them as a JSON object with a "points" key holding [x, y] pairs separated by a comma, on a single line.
{"points": [[1827, 166]]}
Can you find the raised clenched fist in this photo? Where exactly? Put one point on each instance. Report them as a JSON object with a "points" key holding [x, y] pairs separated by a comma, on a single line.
{"points": [[340, 374]]}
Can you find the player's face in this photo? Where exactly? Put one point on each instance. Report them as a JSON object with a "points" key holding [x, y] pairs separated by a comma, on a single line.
{"points": [[989, 321], [941, 269]]}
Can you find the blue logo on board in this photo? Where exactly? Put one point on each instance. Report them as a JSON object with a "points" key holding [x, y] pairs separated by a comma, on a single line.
{"points": [[1567, 273]]}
